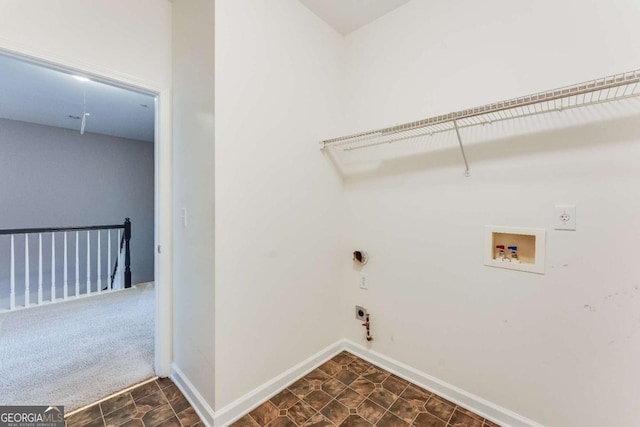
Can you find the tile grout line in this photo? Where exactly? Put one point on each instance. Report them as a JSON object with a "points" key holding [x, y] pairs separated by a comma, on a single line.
{"points": [[122, 407], [118, 393], [410, 423], [464, 411], [170, 407], [317, 411], [432, 395], [104, 422], [386, 410], [369, 394], [320, 389], [352, 359], [348, 386], [442, 419], [367, 397], [451, 416], [135, 405], [128, 394], [400, 397]]}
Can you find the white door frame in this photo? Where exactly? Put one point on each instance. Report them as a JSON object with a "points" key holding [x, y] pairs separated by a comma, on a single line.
{"points": [[163, 184]]}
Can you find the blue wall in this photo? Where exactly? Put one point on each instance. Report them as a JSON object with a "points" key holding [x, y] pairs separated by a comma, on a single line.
{"points": [[51, 177]]}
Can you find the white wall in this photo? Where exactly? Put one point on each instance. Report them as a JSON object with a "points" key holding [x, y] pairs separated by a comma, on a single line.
{"points": [[108, 180], [559, 348], [278, 201], [119, 40], [193, 156], [129, 39]]}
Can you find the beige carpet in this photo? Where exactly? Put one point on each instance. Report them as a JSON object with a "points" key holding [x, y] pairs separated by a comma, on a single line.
{"points": [[76, 352]]}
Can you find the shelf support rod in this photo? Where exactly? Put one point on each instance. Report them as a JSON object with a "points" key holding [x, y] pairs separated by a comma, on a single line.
{"points": [[464, 157]]}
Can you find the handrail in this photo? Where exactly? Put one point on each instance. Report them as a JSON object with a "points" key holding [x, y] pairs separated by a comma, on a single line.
{"points": [[56, 229], [123, 258]]}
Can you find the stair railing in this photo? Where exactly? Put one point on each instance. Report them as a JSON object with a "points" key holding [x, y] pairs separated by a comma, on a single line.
{"points": [[120, 278], [124, 243]]}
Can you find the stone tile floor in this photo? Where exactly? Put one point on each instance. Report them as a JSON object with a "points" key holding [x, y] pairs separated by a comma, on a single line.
{"points": [[158, 403], [348, 391]]}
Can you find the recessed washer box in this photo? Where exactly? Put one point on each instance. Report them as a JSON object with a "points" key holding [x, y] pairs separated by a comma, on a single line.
{"points": [[530, 243]]}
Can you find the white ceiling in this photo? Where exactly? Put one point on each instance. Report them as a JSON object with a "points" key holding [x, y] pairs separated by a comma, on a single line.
{"points": [[349, 15], [35, 94]]}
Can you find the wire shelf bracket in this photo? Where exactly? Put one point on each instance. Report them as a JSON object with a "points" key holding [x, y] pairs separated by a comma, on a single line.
{"points": [[606, 89], [464, 156]]}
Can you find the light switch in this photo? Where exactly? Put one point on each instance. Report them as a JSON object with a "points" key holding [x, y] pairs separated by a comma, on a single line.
{"points": [[183, 216], [564, 217]]}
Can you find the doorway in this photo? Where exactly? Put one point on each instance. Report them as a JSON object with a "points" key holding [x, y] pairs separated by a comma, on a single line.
{"points": [[160, 244]]}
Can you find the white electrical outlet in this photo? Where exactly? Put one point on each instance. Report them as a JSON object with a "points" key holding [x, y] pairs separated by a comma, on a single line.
{"points": [[564, 217], [364, 282]]}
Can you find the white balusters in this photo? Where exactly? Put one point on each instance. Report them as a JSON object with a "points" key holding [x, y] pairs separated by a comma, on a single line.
{"points": [[99, 267], [26, 270], [77, 266], [63, 272], [88, 262], [65, 283], [39, 268], [53, 267], [12, 295], [119, 258], [109, 284]]}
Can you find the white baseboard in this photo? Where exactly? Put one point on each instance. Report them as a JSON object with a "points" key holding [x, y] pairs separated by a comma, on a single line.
{"points": [[141, 284], [236, 409], [480, 406], [199, 404], [254, 398]]}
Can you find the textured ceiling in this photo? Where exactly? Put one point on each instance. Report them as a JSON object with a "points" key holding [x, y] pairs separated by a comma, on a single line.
{"points": [[349, 15], [35, 94]]}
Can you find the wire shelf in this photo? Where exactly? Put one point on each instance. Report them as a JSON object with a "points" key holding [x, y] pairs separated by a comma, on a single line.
{"points": [[606, 89]]}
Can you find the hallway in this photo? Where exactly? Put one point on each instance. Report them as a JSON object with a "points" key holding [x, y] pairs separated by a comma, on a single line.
{"points": [[77, 352]]}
